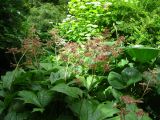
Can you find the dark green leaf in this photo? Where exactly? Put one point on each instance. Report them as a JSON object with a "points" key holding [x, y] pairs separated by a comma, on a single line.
{"points": [[104, 110], [131, 75], [16, 116], [2, 106], [70, 91], [10, 77], [44, 97], [116, 81], [29, 97]]}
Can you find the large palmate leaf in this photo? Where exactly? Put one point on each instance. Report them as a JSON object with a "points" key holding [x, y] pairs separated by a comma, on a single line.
{"points": [[59, 75], [142, 54], [92, 110], [47, 66], [89, 82], [41, 100], [70, 91], [116, 81], [44, 97], [29, 97], [16, 116], [10, 77]]}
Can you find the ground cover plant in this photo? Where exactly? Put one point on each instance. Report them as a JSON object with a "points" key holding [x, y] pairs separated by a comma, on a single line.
{"points": [[100, 63]]}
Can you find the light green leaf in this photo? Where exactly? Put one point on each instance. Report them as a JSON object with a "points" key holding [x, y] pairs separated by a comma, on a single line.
{"points": [[29, 97], [104, 110], [47, 66], [123, 62], [60, 75], [142, 54], [116, 81], [70, 91], [38, 110], [89, 82]]}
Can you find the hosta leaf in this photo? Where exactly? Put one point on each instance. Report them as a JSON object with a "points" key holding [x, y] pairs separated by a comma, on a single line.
{"points": [[70, 91], [29, 97], [142, 54], [116, 81], [44, 97], [131, 75]]}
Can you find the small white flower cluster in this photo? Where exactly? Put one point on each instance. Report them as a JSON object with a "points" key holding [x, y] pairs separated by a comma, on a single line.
{"points": [[68, 18], [94, 3]]}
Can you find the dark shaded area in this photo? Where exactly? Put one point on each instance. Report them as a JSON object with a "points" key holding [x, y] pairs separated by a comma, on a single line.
{"points": [[5, 60]]}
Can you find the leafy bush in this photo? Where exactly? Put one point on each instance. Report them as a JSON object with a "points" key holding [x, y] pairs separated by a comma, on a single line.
{"points": [[44, 17], [87, 19], [133, 19], [12, 16]]}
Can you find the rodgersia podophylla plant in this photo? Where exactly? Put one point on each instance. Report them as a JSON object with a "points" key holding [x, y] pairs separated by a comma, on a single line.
{"points": [[93, 55]]}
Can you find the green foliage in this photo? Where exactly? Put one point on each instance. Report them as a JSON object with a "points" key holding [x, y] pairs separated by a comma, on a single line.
{"points": [[86, 20], [128, 77], [145, 54], [12, 15], [70, 91], [132, 18], [91, 110], [44, 17]]}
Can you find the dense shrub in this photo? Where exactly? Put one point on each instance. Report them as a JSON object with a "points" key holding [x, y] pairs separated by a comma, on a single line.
{"points": [[44, 17], [135, 19], [12, 16]]}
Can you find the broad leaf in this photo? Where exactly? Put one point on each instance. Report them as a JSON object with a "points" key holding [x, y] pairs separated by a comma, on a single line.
{"points": [[142, 54], [44, 97], [29, 97], [116, 81], [131, 75], [10, 77], [89, 82], [16, 116], [84, 109], [92, 110], [104, 110], [47, 66], [70, 91], [60, 75]]}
